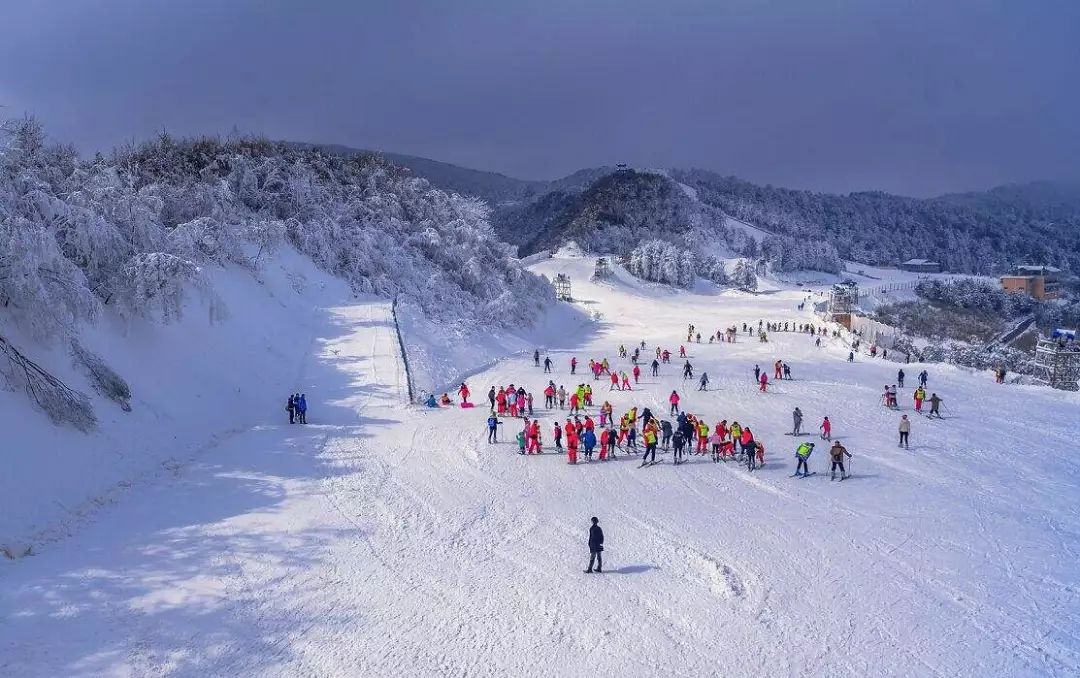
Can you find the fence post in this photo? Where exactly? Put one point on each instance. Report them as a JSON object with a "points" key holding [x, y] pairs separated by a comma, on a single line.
{"points": [[404, 354]]}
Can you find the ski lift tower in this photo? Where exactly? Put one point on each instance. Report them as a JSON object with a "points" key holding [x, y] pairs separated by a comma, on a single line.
{"points": [[843, 299], [602, 270], [1057, 360], [562, 287]]}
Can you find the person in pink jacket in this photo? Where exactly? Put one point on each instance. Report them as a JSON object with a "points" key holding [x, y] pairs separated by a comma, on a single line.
{"points": [[764, 380], [674, 400]]}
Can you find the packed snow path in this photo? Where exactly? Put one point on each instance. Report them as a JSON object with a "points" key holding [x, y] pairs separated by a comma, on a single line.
{"points": [[382, 539]]}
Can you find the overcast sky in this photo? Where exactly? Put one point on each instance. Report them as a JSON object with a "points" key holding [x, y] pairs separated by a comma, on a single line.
{"points": [[911, 96]]}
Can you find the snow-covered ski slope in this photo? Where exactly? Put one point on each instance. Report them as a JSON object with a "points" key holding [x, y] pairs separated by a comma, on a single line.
{"points": [[385, 539]]}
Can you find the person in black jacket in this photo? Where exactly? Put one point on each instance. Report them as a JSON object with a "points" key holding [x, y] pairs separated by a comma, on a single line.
{"points": [[596, 546]]}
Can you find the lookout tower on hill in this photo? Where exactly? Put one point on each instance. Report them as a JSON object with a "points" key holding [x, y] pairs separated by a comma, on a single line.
{"points": [[843, 298], [562, 287], [1057, 360]]}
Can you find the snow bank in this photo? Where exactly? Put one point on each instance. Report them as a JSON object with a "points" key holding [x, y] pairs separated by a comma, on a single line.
{"points": [[194, 384]]}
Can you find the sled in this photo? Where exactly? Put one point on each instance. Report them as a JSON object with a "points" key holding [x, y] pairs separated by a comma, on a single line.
{"points": [[466, 406]]}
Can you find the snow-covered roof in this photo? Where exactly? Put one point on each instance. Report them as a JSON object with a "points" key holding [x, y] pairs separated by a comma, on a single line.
{"points": [[1039, 269], [919, 262]]}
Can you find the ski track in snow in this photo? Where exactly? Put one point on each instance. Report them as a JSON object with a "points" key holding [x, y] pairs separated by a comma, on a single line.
{"points": [[387, 539]]}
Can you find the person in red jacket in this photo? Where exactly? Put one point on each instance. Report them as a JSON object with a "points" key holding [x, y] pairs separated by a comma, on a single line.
{"points": [[604, 435], [826, 429], [534, 437], [500, 401], [571, 442], [589, 425], [674, 400], [464, 393], [682, 351], [614, 381], [626, 382], [549, 396], [764, 382], [637, 373]]}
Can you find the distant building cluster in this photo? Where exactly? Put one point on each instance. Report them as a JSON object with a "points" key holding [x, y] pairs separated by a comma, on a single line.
{"points": [[1041, 282]]}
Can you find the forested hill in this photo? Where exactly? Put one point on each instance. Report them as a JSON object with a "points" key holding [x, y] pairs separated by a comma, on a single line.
{"points": [[968, 233], [981, 232]]}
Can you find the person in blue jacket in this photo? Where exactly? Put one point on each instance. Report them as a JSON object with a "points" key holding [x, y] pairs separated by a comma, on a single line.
{"points": [[493, 428], [588, 439], [431, 402], [301, 407]]}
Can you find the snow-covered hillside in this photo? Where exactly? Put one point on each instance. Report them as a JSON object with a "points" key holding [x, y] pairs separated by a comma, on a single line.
{"points": [[388, 539]]}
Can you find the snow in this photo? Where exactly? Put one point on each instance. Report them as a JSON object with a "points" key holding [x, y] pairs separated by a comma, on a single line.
{"points": [[388, 539]]}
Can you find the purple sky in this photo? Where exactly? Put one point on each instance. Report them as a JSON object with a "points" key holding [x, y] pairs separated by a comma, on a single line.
{"points": [[910, 96]]}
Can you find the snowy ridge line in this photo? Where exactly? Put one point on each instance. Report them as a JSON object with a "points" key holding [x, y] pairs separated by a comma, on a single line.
{"points": [[404, 353]]}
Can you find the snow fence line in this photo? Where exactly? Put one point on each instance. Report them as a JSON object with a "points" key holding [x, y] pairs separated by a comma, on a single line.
{"points": [[404, 353]]}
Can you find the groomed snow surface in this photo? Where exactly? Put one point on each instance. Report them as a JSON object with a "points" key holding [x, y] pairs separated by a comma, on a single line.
{"points": [[387, 539]]}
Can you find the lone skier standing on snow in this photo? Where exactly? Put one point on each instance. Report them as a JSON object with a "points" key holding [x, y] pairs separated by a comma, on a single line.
{"points": [[757, 373], [802, 454], [905, 429], [837, 452], [935, 402], [547, 365], [796, 418], [704, 382], [900, 378], [596, 547], [536, 357]]}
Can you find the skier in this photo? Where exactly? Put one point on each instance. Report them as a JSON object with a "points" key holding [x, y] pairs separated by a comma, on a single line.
{"points": [[665, 431], [837, 453], [682, 351], [923, 376], [919, 396], [611, 441], [588, 439], [549, 395], [905, 429], [826, 429], [900, 378], [536, 357], [935, 402], [534, 436], [674, 400], [463, 391], [614, 381], [802, 454], [290, 407], [571, 442], [575, 403], [851, 356], [757, 373], [547, 364], [764, 382], [491, 397], [596, 547], [573, 365], [749, 446], [558, 436], [625, 382], [655, 368], [562, 397], [521, 437], [704, 382], [736, 436], [493, 427], [637, 373], [301, 408], [787, 371], [796, 417], [778, 370], [649, 434], [678, 442], [688, 371]]}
